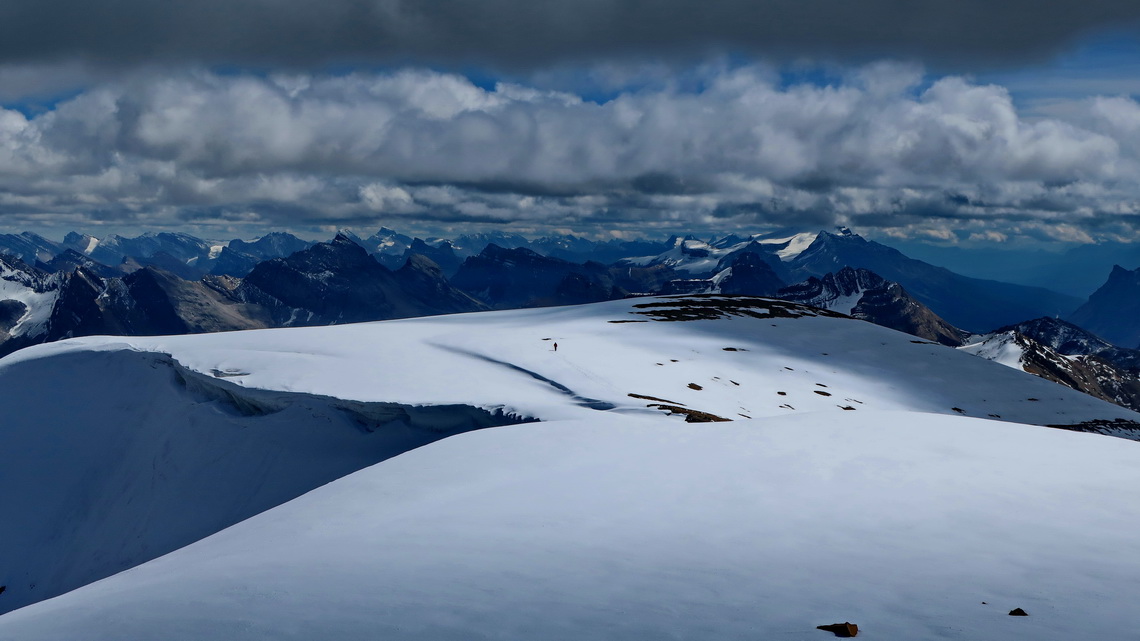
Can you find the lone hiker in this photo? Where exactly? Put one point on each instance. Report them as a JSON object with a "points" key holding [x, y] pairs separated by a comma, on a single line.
{"points": [[556, 347]]}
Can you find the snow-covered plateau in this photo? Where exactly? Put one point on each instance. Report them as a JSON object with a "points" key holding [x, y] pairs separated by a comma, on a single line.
{"points": [[333, 483]]}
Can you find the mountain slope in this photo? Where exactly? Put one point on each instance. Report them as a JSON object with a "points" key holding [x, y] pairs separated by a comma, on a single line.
{"points": [[27, 295], [182, 247], [442, 254], [969, 303], [28, 247], [506, 278], [328, 283], [740, 273], [147, 302], [865, 295], [1066, 354], [272, 245], [1113, 311], [69, 259], [1072, 340], [338, 282]]}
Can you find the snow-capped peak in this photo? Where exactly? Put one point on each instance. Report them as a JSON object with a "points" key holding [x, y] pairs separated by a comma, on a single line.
{"points": [[696, 257]]}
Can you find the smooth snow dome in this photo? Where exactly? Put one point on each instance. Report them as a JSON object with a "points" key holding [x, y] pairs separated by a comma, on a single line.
{"points": [[620, 528], [847, 485]]}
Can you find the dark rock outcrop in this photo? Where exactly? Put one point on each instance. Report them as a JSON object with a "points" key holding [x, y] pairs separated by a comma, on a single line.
{"points": [[846, 629]]}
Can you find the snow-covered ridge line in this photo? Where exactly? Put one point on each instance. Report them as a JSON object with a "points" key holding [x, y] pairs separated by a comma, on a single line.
{"points": [[144, 455], [731, 359], [370, 416]]}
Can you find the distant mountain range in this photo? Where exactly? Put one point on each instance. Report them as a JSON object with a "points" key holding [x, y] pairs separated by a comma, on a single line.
{"points": [[170, 283], [1076, 271]]}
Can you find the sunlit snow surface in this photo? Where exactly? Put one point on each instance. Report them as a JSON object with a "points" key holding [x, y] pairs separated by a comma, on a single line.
{"points": [[899, 515]]}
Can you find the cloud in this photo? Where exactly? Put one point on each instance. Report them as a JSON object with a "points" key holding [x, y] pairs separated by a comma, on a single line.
{"points": [[989, 236], [884, 148], [530, 34]]}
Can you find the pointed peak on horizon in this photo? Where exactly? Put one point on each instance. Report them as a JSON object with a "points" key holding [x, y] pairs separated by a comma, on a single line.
{"points": [[344, 236]]}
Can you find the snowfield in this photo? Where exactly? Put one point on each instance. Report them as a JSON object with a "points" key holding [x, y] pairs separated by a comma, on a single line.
{"points": [[692, 256], [861, 476]]}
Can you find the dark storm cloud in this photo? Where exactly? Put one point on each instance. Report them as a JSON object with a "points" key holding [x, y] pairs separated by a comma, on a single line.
{"points": [[531, 33]]}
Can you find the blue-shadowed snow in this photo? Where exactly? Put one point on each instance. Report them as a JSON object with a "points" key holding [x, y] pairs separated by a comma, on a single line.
{"points": [[629, 528]]}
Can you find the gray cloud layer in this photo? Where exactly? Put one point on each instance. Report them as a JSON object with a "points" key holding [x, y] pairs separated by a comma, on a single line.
{"points": [[432, 148], [524, 34]]}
